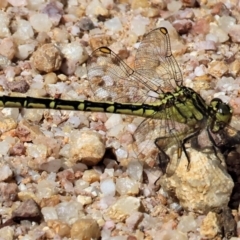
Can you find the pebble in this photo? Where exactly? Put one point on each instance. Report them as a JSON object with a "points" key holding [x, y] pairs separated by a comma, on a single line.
{"points": [[59, 228], [27, 210], [47, 58], [135, 4], [50, 202], [7, 124], [85, 24], [91, 176], [127, 186], [26, 195], [8, 48], [84, 200], [20, 86], [8, 193], [217, 68], [86, 146], [45, 25], [234, 68], [4, 25], [5, 173], [123, 208], [210, 226], [50, 78], [7, 233], [86, 229]]}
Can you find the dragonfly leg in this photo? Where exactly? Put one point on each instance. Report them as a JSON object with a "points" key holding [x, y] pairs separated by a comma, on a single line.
{"points": [[184, 141]]}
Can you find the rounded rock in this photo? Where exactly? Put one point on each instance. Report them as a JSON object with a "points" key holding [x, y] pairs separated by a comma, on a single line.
{"points": [[85, 229], [47, 58]]}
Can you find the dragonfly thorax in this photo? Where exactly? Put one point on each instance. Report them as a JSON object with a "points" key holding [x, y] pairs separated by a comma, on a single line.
{"points": [[220, 113]]}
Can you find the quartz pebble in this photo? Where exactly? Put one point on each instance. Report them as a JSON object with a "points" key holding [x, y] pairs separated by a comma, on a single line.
{"points": [[47, 58], [123, 208], [86, 146], [59, 228], [5, 173]]}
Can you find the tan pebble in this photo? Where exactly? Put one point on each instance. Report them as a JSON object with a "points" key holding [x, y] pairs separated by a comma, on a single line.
{"points": [[210, 227], [47, 58], [234, 68], [86, 229], [91, 176], [23, 196], [7, 124], [217, 68], [50, 78], [50, 202], [97, 41], [123, 208], [59, 228], [8, 48], [139, 4], [84, 200], [86, 146], [62, 77]]}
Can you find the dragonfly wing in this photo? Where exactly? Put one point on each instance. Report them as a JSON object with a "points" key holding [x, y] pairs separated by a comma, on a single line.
{"points": [[111, 79], [155, 63]]}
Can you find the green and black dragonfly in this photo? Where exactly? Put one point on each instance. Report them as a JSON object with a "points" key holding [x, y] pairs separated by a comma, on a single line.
{"points": [[174, 114]]}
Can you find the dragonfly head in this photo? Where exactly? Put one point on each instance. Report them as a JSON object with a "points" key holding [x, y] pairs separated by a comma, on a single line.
{"points": [[221, 114]]}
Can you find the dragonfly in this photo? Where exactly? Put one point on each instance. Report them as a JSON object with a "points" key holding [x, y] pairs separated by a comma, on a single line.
{"points": [[173, 113]]}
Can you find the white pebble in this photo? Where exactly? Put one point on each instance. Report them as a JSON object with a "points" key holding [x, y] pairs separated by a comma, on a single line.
{"points": [[40, 22], [138, 25], [113, 121], [4, 25], [18, 3], [113, 24], [107, 187], [49, 213], [24, 30]]}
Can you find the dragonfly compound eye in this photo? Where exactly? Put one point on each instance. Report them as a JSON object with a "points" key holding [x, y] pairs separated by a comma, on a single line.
{"points": [[221, 114]]}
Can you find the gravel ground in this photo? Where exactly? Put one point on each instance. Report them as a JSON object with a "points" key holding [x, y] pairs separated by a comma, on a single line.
{"points": [[54, 181]]}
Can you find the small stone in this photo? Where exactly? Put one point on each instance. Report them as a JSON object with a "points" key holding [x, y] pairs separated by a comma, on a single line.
{"points": [[3, 4], [18, 86], [19, 3], [50, 78], [85, 229], [85, 24], [127, 186], [51, 166], [7, 124], [86, 146], [37, 18], [210, 226], [59, 228], [47, 58], [8, 48], [8, 193], [123, 208], [91, 176], [234, 68], [217, 68], [7, 233], [4, 25], [27, 210], [5, 173], [182, 26], [50, 202], [135, 4], [25, 195], [84, 200]]}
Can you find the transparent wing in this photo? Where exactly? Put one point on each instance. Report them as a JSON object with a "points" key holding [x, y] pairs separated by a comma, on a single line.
{"points": [[154, 60], [156, 71], [154, 134]]}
